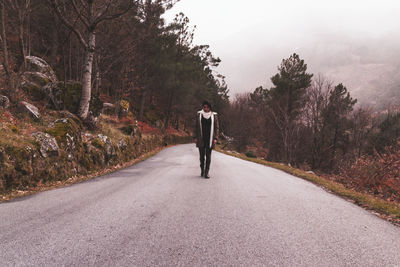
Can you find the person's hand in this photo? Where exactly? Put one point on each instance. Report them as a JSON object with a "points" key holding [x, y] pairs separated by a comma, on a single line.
{"points": [[195, 140], [215, 141]]}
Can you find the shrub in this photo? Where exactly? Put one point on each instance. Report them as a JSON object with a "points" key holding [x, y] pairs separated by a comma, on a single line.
{"points": [[251, 154], [378, 174]]}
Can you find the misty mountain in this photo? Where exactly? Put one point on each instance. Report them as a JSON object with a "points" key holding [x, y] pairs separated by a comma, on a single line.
{"points": [[368, 67]]}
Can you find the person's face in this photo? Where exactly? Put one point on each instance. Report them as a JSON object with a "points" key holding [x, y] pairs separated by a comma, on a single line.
{"points": [[206, 108]]}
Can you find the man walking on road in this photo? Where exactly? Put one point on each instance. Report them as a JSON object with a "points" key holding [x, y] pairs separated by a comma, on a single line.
{"points": [[207, 131]]}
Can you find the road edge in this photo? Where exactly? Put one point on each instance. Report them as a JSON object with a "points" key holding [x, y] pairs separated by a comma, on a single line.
{"points": [[14, 194], [386, 210]]}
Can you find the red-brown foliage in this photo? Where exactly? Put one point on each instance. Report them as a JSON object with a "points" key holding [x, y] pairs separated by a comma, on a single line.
{"points": [[378, 174]]}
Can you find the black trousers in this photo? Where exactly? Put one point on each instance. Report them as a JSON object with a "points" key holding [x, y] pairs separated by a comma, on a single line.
{"points": [[205, 152]]}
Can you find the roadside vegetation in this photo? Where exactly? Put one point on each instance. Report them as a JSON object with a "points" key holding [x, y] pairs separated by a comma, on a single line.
{"points": [[305, 124]]}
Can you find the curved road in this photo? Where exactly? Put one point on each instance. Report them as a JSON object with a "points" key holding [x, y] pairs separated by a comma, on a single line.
{"points": [[161, 213]]}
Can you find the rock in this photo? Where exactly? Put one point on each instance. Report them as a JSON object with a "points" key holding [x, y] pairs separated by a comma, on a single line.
{"points": [[37, 78], [67, 132], [36, 64], [48, 144], [33, 111], [33, 90], [38, 74], [54, 95], [103, 138], [108, 109], [107, 146], [4, 102]]}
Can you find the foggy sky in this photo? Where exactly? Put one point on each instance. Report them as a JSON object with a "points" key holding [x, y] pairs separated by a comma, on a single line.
{"points": [[252, 37]]}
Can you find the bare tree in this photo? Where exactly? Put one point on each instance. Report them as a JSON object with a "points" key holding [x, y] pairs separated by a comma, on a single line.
{"points": [[361, 128], [90, 14], [318, 99], [21, 8]]}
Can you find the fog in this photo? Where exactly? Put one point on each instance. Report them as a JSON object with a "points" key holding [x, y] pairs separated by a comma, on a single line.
{"points": [[355, 42]]}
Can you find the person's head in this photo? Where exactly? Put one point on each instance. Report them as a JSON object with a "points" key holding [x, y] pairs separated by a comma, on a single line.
{"points": [[206, 106]]}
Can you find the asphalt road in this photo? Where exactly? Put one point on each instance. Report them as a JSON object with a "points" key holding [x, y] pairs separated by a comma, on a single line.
{"points": [[160, 212]]}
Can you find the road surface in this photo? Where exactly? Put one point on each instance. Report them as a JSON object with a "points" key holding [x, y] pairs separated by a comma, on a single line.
{"points": [[160, 212]]}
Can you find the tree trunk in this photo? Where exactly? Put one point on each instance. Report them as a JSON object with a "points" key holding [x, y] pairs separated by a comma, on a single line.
{"points": [[54, 45], [87, 77], [169, 111], [143, 100], [333, 149], [22, 50], [70, 59], [6, 64]]}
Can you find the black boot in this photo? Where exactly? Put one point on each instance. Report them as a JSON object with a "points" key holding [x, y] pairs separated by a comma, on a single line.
{"points": [[206, 174], [202, 172]]}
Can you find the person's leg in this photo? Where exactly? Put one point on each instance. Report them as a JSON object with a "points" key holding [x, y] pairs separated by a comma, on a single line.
{"points": [[208, 161], [202, 153]]}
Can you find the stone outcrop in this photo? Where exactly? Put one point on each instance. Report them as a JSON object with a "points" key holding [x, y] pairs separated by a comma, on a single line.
{"points": [[36, 64], [30, 109], [48, 144], [37, 75]]}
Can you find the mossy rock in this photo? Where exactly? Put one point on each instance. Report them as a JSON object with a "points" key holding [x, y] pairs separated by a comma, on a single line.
{"points": [[37, 78], [72, 95], [65, 130], [33, 90]]}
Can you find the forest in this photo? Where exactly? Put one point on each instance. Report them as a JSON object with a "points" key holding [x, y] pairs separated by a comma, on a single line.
{"points": [[117, 50]]}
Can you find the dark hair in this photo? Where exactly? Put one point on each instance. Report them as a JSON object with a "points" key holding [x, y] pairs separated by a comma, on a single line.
{"points": [[205, 102]]}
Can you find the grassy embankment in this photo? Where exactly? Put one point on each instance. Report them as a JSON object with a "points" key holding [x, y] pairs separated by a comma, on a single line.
{"points": [[20, 168]]}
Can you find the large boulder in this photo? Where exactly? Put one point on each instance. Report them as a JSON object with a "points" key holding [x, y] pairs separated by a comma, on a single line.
{"points": [[37, 75], [36, 64], [4, 102], [48, 144], [27, 108]]}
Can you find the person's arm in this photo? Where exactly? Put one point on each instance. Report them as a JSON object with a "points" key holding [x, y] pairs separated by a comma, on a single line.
{"points": [[216, 126], [196, 128]]}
